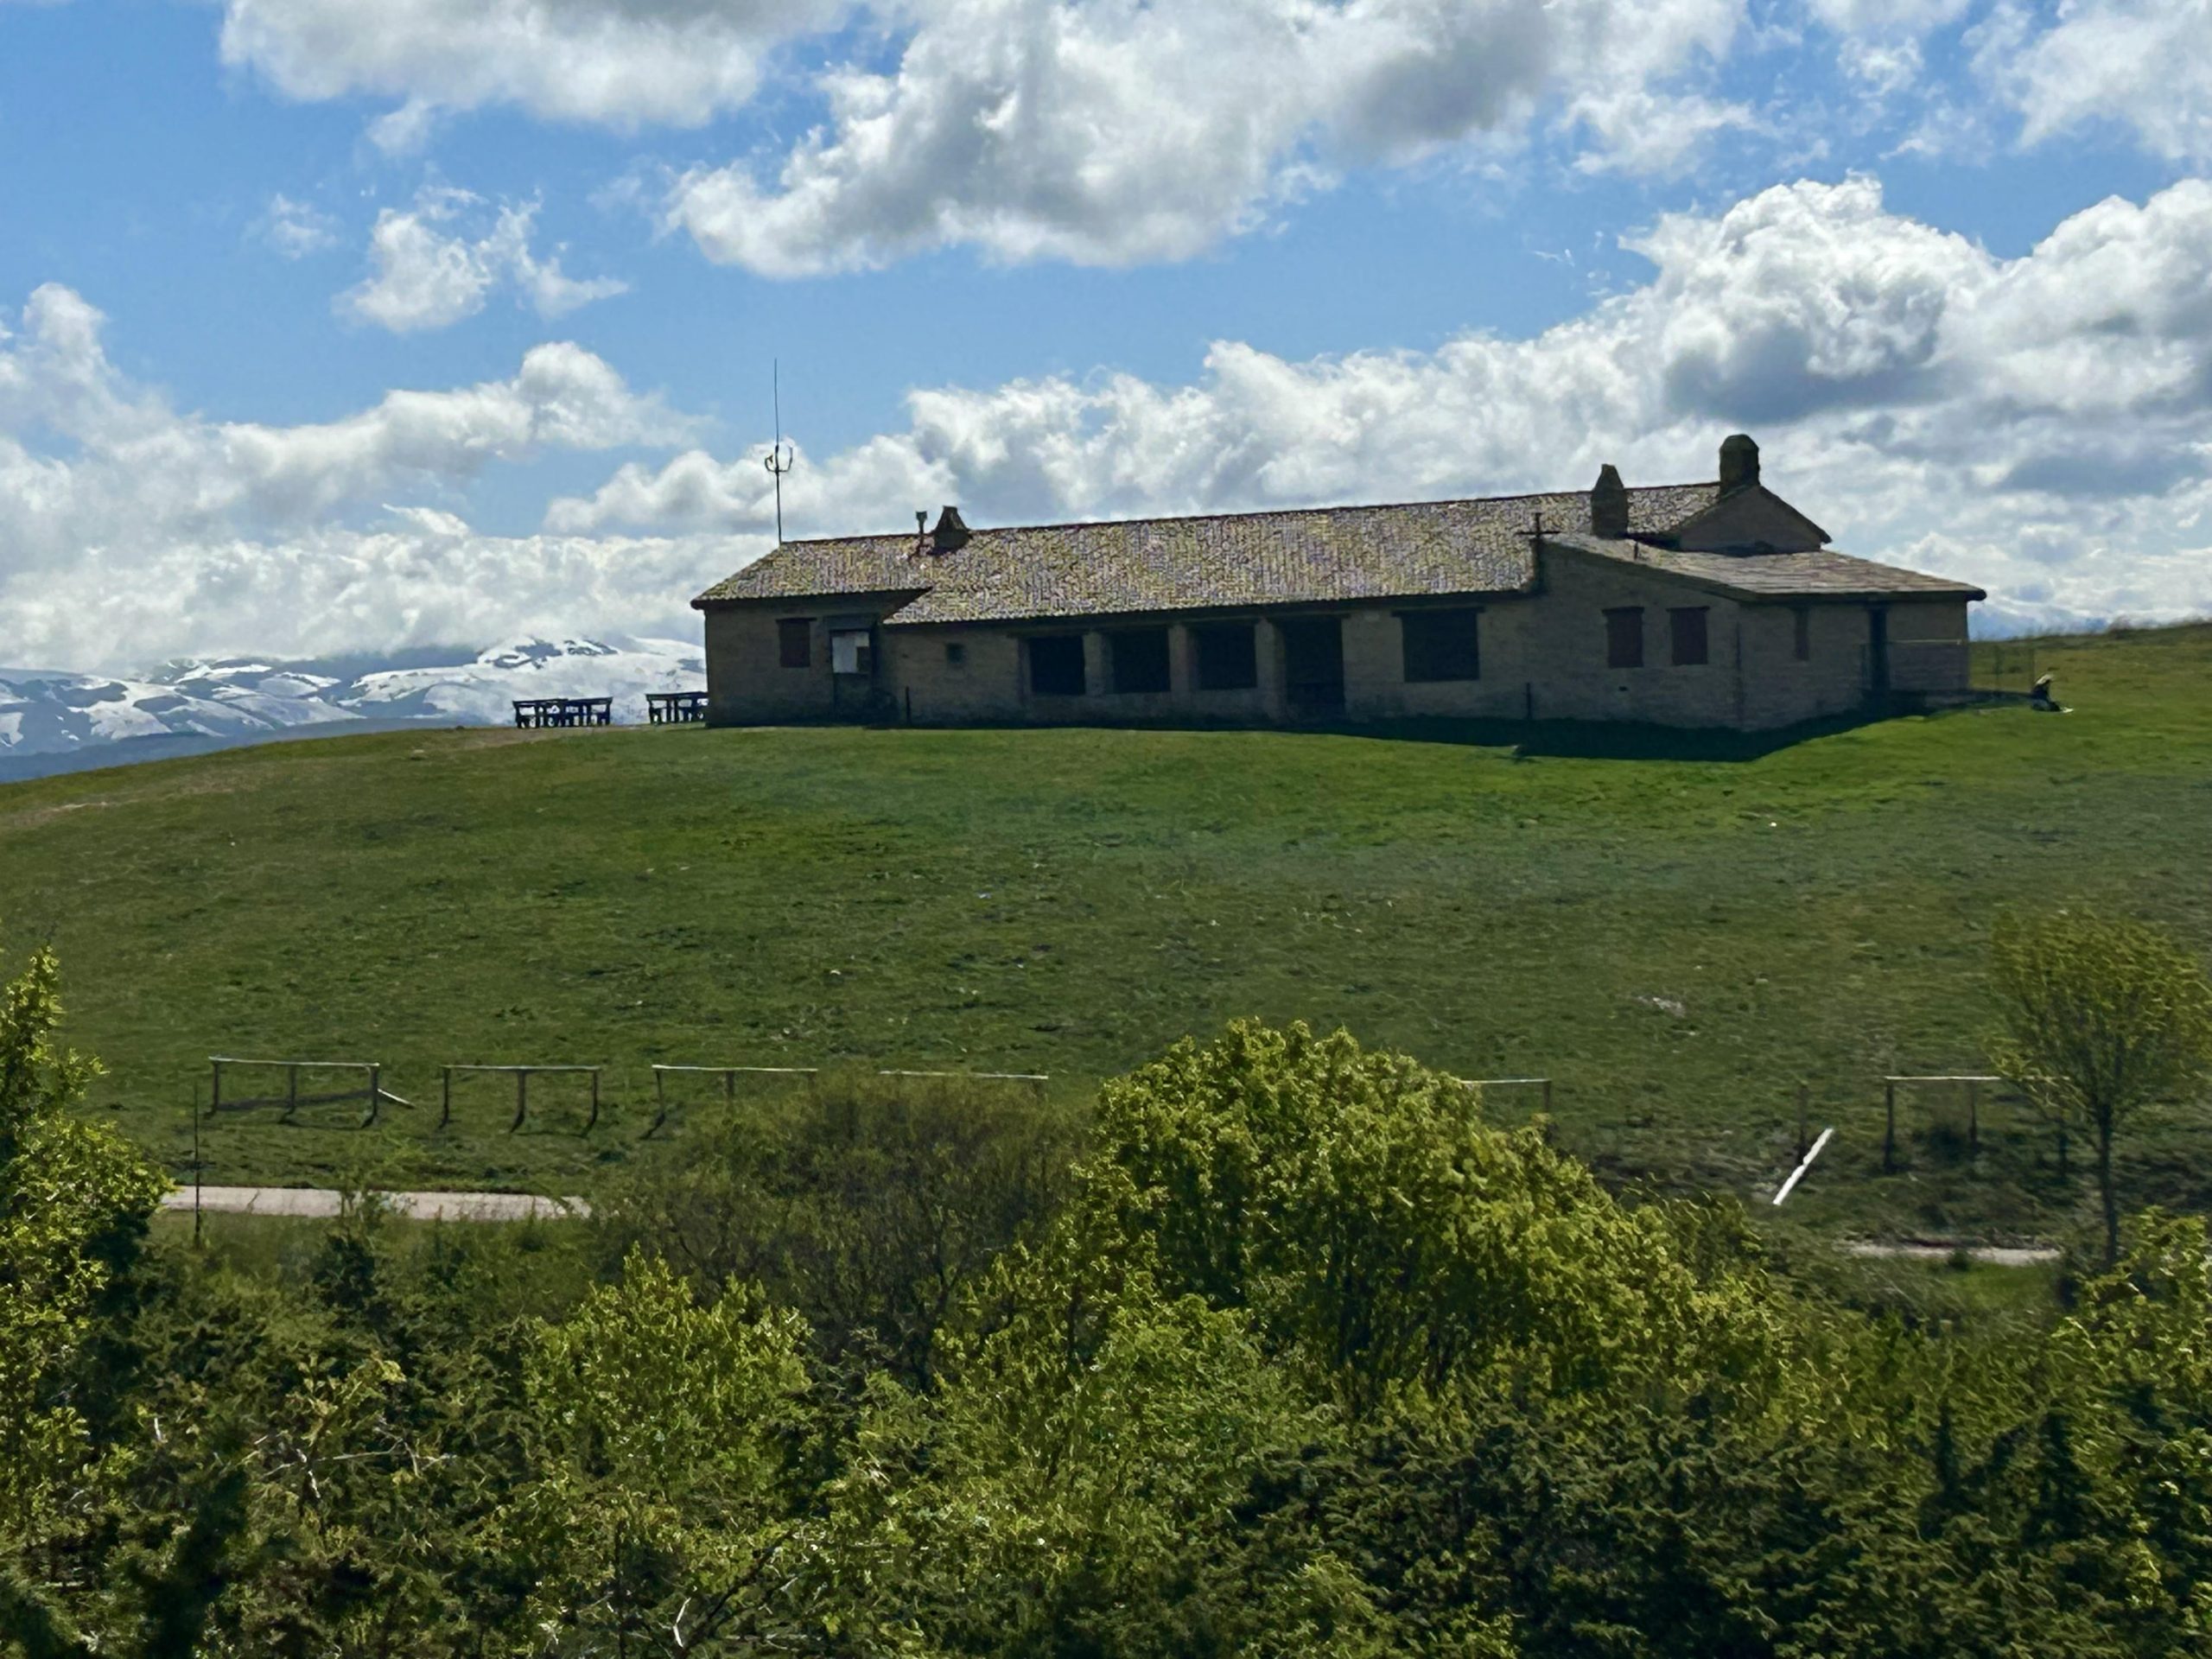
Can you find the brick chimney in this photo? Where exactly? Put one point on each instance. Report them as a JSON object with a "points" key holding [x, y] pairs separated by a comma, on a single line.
{"points": [[1739, 462], [1609, 504], [950, 534]]}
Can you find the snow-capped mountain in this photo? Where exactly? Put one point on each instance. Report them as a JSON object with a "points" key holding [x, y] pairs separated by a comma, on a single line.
{"points": [[53, 721]]}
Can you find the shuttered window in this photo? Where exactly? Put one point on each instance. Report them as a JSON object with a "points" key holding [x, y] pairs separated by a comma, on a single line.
{"points": [[1624, 638], [1688, 626]]}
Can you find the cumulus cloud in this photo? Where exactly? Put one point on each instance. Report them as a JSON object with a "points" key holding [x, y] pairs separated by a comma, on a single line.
{"points": [[2041, 424], [295, 229], [425, 277], [2144, 64], [1107, 132], [128, 525]]}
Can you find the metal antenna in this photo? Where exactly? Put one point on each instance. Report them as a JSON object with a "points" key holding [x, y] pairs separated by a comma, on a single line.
{"points": [[779, 460]]}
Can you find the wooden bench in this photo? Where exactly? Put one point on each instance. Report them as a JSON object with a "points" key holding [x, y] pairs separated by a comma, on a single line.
{"points": [[675, 708]]}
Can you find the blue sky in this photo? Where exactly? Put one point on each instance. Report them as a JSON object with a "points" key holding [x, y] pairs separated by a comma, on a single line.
{"points": [[338, 328]]}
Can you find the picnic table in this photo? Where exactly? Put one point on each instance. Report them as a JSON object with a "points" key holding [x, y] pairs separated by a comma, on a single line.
{"points": [[564, 711], [675, 708]]}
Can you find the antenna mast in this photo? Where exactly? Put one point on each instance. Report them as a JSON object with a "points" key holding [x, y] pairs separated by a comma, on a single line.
{"points": [[780, 459]]}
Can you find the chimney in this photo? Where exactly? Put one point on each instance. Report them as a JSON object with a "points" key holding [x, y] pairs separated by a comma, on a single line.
{"points": [[950, 534], [1609, 504], [1739, 462]]}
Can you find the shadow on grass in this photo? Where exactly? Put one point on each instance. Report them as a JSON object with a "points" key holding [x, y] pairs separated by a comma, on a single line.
{"points": [[1581, 740]]}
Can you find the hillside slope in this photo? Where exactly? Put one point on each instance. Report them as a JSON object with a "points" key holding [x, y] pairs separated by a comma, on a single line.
{"points": [[1677, 941]]}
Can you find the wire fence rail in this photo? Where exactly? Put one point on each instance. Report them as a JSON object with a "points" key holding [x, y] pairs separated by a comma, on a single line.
{"points": [[1958, 1124], [372, 1091]]}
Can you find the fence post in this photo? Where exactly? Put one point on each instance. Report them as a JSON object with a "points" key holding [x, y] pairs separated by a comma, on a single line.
{"points": [[522, 1097], [445, 1096], [376, 1095], [215, 1093], [291, 1092], [592, 1121], [1889, 1128], [1974, 1116]]}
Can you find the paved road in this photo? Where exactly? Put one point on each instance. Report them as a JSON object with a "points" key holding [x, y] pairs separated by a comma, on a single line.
{"points": [[313, 1201], [1995, 1255]]}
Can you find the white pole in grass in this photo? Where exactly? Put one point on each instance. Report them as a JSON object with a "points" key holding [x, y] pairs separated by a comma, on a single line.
{"points": [[1797, 1174]]}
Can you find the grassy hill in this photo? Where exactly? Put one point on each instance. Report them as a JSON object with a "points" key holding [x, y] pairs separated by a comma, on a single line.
{"points": [[1678, 941]]}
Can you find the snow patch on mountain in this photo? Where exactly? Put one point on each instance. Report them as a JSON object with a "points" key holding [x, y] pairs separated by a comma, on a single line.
{"points": [[241, 700]]}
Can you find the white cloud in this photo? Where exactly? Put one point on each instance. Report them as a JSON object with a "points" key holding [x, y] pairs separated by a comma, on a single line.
{"points": [[128, 525], [2041, 424], [295, 229], [2145, 65], [1107, 132], [425, 278], [619, 63]]}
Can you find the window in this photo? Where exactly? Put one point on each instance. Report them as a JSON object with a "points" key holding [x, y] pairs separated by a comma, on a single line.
{"points": [[1624, 638], [1688, 626], [1442, 646], [852, 651], [795, 642], [956, 654], [1139, 657], [1056, 665], [1801, 644], [1228, 659]]}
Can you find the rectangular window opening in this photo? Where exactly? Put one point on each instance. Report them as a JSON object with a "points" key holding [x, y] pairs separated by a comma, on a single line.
{"points": [[956, 654], [1624, 638], [1800, 617], [795, 642], [1056, 665], [1688, 625], [1138, 659], [1442, 646], [1228, 658], [852, 651]]}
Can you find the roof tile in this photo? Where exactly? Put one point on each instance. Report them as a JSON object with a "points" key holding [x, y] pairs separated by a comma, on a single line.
{"points": [[1821, 574], [1305, 556]]}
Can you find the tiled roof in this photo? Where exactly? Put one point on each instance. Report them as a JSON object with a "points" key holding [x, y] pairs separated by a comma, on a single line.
{"points": [[1822, 573], [1307, 556]]}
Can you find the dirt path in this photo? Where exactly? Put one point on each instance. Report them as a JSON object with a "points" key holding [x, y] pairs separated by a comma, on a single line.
{"points": [[317, 1201]]}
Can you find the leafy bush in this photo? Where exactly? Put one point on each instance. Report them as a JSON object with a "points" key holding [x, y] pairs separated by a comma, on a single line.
{"points": [[866, 1203]]}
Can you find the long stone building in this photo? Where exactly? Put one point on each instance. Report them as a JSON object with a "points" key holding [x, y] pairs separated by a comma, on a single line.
{"points": [[1714, 604]]}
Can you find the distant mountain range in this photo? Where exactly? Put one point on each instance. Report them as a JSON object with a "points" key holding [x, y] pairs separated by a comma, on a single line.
{"points": [[62, 721]]}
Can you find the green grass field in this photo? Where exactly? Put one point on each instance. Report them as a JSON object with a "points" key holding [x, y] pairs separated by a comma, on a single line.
{"points": [[1677, 940]]}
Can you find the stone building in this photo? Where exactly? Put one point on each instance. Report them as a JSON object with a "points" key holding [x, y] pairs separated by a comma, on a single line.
{"points": [[1711, 604]]}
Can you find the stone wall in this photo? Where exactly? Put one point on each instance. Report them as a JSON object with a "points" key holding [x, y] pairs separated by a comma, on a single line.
{"points": [[1543, 654]]}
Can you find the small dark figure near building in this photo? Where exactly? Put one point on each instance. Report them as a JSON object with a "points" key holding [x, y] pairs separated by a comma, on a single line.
{"points": [[2040, 697]]}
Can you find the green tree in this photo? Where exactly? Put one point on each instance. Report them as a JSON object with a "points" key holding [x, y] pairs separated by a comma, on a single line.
{"points": [[2100, 1017], [73, 1203], [1377, 1229], [663, 1431]]}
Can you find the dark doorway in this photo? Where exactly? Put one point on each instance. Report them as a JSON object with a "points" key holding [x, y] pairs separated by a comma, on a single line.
{"points": [[1877, 654], [1314, 664]]}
